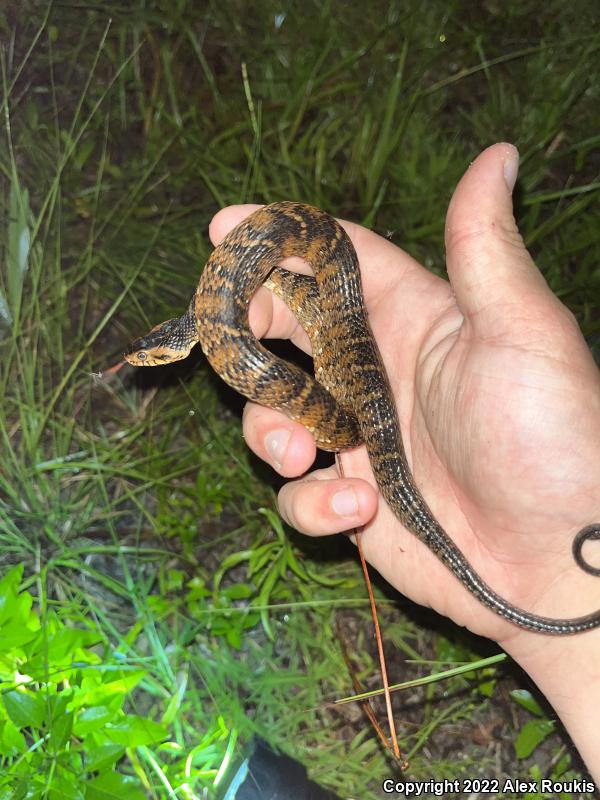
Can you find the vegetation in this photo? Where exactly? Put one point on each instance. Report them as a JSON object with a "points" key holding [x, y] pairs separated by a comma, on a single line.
{"points": [[154, 613]]}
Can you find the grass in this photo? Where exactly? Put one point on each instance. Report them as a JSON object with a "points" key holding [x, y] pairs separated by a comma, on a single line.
{"points": [[156, 614]]}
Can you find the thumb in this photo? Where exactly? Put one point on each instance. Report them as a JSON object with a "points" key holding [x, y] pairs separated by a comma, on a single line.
{"points": [[489, 267]]}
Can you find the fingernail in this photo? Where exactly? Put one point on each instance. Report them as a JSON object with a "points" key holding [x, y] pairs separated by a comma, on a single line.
{"points": [[345, 503], [511, 167], [276, 443]]}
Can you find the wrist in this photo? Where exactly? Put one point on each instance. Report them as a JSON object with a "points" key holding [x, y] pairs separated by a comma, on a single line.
{"points": [[567, 671]]}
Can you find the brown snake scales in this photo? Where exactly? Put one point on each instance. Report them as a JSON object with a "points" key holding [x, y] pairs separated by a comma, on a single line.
{"points": [[351, 401]]}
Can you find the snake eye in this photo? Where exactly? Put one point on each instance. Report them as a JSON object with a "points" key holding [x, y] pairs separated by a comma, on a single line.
{"points": [[141, 355]]}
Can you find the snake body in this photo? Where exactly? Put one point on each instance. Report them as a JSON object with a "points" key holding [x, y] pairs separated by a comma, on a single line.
{"points": [[349, 401]]}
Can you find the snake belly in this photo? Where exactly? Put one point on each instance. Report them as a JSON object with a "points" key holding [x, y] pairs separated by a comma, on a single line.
{"points": [[349, 401]]}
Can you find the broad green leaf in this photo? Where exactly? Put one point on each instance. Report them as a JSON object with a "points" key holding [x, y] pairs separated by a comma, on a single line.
{"points": [[12, 741], [531, 735], [9, 590], [175, 579], [98, 759], [526, 700], [112, 786], [238, 591], [66, 644], [16, 634], [93, 718], [25, 709], [60, 730], [487, 688], [102, 693], [233, 635], [133, 731]]}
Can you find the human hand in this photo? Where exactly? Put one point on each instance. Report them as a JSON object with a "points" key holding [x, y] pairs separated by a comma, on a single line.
{"points": [[499, 401]]}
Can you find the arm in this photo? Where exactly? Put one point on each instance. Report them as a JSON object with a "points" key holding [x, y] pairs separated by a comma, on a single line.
{"points": [[568, 673]]}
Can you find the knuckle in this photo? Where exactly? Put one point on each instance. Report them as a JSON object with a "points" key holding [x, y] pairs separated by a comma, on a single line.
{"points": [[300, 511], [299, 504], [483, 230]]}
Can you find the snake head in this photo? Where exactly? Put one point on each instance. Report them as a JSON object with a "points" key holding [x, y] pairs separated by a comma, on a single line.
{"points": [[170, 341]]}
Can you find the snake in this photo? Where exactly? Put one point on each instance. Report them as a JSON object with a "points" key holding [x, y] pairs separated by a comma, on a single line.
{"points": [[348, 401]]}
